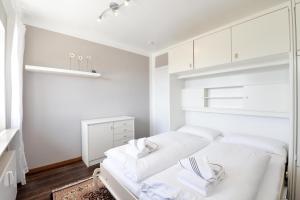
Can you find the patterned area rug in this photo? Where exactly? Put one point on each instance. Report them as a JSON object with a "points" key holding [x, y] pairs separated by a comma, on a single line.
{"points": [[87, 189]]}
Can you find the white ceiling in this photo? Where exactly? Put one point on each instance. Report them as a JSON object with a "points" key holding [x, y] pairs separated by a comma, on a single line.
{"points": [[165, 22]]}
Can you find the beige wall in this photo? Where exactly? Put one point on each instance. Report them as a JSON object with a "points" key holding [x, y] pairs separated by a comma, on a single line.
{"points": [[55, 104]]}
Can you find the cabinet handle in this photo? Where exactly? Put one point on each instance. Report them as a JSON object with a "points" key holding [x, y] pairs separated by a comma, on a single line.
{"points": [[9, 182], [11, 178], [7, 179], [236, 55]]}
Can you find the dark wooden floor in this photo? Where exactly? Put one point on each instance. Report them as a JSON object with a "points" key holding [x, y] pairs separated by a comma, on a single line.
{"points": [[40, 185]]}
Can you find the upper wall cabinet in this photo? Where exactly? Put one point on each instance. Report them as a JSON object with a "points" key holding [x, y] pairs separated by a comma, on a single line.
{"points": [[214, 49], [181, 58], [262, 36]]}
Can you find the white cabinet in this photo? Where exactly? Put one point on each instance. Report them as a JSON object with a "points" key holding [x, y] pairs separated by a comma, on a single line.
{"points": [[100, 139], [265, 98], [214, 49], [123, 132], [262, 36], [99, 135], [8, 176], [181, 58]]}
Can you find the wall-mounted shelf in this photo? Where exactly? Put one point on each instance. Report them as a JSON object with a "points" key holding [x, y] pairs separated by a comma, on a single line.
{"points": [[268, 100], [237, 112], [51, 70]]}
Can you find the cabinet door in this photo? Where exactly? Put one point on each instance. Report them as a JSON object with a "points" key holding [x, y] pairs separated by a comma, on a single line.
{"points": [[100, 140], [298, 25], [269, 98], [263, 36], [8, 176], [214, 49], [181, 58]]}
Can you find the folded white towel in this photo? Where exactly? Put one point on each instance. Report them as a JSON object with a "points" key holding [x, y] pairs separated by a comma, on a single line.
{"points": [[140, 147], [200, 175], [195, 182], [202, 168], [158, 191]]}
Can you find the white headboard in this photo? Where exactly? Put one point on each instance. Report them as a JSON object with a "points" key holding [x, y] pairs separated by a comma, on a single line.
{"points": [[256, 102]]}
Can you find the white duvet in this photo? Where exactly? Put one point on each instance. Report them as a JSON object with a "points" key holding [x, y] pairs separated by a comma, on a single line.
{"points": [[244, 166], [173, 146]]}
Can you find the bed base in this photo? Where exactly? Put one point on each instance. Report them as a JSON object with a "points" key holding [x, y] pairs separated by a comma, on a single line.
{"points": [[118, 191]]}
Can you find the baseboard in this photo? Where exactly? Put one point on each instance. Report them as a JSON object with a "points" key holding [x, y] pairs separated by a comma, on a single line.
{"points": [[54, 165]]}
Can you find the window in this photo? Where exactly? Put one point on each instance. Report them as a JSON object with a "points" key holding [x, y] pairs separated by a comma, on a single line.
{"points": [[2, 77]]}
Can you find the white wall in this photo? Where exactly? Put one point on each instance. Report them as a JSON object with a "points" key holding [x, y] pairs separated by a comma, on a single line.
{"points": [[161, 100]]}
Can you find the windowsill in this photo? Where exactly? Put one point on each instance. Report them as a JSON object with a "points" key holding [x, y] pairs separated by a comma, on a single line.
{"points": [[5, 138]]}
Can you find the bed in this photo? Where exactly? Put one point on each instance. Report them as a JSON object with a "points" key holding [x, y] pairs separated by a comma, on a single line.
{"points": [[184, 142], [270, 186], [239, 183]]}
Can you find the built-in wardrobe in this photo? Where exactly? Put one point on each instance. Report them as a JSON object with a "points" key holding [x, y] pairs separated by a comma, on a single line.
{"points": [[239, 78], [296, 45]]}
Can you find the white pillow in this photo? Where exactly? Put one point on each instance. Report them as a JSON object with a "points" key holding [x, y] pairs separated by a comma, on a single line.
{"points": [[204, 132], [267, 144]]}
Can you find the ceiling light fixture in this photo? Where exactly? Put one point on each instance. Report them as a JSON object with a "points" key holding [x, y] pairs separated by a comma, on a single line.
{"points": [[114, 8]]}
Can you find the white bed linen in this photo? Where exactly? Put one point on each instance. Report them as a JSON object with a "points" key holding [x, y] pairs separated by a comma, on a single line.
{"points": [[244, 167], [273, 182], [270, 188], [115, 170], [173, 146]]}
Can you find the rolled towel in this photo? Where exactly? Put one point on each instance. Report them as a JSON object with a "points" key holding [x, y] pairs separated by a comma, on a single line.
{"points": [[201, 167], [140, 147], [195, 182]]}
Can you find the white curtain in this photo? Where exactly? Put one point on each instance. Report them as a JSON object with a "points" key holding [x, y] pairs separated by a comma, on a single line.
{"points": [[17, 52]]}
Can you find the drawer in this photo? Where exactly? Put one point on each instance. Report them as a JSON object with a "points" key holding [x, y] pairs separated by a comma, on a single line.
{"points": [[123, 126], [121, 142], [125, 135]]}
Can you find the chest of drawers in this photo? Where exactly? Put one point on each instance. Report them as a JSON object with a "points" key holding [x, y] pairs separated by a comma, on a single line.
{"points": [[99, 135]]}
